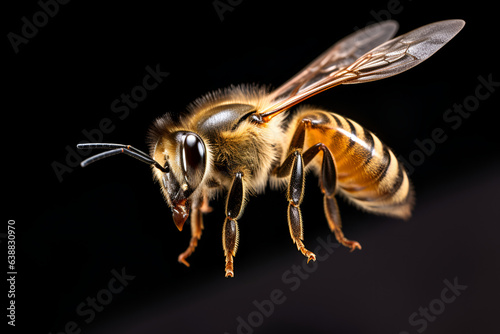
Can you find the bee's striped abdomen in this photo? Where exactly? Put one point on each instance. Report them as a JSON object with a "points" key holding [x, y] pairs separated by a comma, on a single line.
{"points": [[368, 172]]}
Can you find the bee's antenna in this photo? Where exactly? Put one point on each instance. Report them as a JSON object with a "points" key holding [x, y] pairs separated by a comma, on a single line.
{"points": [[117, 149]]}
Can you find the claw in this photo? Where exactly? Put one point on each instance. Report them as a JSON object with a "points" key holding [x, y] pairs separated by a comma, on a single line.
{"points": [[229, 270], [351, 244], [311, 257], [182, 259], [307, 253], [355, 245]]}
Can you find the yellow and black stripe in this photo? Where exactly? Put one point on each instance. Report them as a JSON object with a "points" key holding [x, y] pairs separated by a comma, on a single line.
{"points": [[368, 172]]}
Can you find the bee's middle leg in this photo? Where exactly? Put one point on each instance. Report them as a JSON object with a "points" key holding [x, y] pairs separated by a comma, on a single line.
{"points": [[230, 232], [295, 194], [294, 165], [294, 168]]}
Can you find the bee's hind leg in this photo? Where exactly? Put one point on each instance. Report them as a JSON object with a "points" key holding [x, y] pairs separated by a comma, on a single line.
{"points": [[334, 222], [328, 183]]}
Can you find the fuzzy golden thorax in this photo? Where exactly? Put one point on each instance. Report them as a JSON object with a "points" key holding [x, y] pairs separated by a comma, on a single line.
{"points": [[232, 141]]}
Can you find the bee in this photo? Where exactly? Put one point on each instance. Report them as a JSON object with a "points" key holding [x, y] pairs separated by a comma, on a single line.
{"points": [[237, 140]]}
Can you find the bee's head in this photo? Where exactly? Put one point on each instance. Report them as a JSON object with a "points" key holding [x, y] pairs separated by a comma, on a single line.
{"points": [[184, 157], [179, 162]]}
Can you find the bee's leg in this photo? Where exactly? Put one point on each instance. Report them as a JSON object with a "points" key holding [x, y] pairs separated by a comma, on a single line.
{"points": [[333, 217], [196, 228], [328, 183], [295, 194], [328, 180], [205, 208], [230, 232], [294, 166]]}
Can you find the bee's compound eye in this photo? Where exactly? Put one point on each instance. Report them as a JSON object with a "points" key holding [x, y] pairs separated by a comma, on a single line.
{"points": [[193, 158]]}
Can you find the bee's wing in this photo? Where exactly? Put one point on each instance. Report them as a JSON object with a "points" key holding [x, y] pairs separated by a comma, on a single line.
{"points": [[355, 59], [341, 54]]}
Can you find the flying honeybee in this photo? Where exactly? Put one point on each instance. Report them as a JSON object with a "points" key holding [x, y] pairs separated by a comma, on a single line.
{"points": [[237, 140]]}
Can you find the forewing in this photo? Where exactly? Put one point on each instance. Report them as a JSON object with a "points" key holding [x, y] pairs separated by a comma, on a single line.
{"points": [[404, 52], [341, 54], [390, 58]]}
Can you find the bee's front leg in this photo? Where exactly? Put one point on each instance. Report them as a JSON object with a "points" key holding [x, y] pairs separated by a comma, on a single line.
{"points": [[198, 207], [230, 233]]}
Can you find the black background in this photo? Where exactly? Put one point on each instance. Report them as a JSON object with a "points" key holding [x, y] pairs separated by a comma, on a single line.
{"points": [[72, 234]]}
